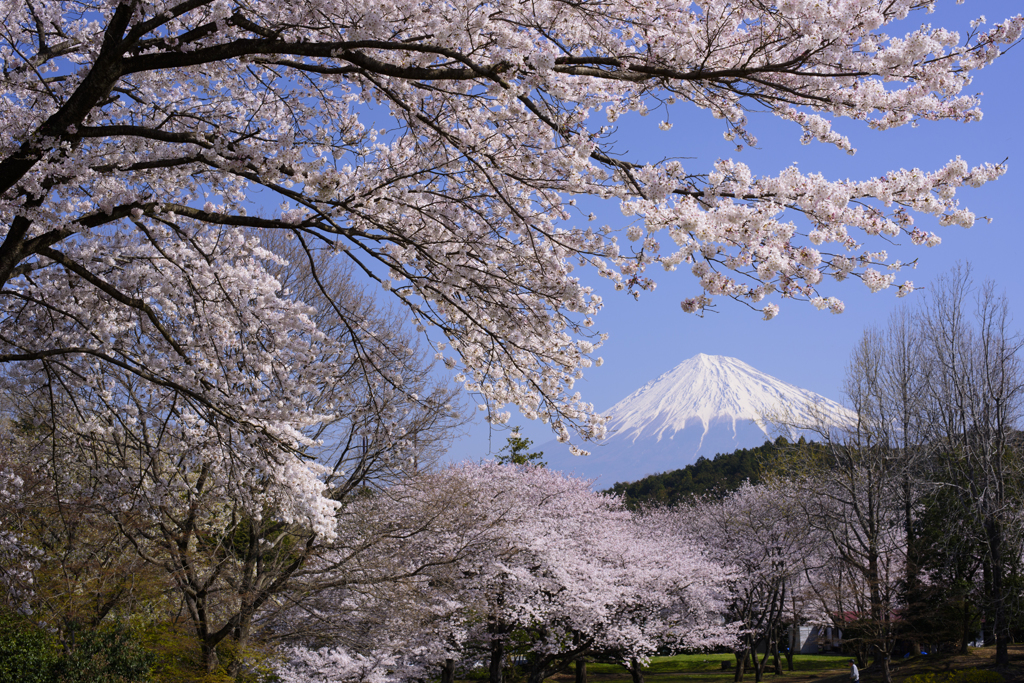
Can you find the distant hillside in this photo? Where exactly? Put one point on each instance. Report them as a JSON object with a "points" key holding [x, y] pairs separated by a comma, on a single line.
{"points": [[715, 477]]}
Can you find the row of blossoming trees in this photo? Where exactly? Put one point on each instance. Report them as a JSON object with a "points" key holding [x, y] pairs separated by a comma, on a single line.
{"points": [[546, 570], [477, 562], [429, 569]]}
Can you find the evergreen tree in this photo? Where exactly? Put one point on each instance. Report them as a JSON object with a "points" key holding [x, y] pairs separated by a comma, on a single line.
{"points": [[517, 451]]}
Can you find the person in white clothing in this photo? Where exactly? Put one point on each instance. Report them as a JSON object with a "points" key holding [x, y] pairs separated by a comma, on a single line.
{"points": [[854, 673]]}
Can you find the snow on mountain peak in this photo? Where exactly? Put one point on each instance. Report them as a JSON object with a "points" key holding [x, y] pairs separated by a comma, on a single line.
{"points": [[702, 407], [712, 389]]}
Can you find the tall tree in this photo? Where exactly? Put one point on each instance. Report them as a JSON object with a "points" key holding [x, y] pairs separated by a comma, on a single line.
{"points": [[937, 398], [851, 486], [977, 393], [902, 406]]}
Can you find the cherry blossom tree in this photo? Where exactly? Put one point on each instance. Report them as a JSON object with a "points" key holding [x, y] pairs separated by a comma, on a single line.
{"points": [[439, 149], [757, 530], [576, 574], [548, 571], [130, 469], [683, 596], [386, 599], [63, 562], [18, 556]]}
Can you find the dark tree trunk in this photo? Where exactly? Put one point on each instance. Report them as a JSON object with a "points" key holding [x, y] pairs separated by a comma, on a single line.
{"points": [[988, 635], [634, 671], [913, 584], [965, 627], [994, 536], [741, 664], [241, 635], [880, 615], [776, 658], [210, 659], [543, 666], [886, 670], [794, 645], [448, 671], [497, 659], [580, 662], [759, 665]]}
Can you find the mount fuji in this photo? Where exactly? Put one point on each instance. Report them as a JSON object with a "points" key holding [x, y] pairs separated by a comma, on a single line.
{"points": [[704, 406]]}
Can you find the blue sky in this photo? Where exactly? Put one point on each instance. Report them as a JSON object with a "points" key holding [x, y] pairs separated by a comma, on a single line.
{"points": [[804, 346]]}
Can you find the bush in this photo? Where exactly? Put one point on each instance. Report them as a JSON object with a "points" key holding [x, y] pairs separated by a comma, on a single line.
{"points": [[104, 655], [27, 652], [31, 654]]}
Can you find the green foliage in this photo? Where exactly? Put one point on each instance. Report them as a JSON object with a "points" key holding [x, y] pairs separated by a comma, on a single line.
{"points": [[27, 652], [257, 663], [946, 609], [716, 477], [965, 676], [480, 673], [177, 655], [31, 654], [516, 452], [178, 658], [104, 655]]}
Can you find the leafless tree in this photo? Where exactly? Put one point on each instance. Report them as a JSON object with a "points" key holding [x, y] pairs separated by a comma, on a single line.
{"points": [[976, 391], [854, 486]]}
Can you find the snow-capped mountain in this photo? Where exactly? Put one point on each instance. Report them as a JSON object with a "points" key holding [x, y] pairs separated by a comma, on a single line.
{"points": [[704, 406]]}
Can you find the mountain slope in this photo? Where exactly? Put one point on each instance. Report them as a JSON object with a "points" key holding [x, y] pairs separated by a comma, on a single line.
{"points": [[711, 390], [704, 406]]}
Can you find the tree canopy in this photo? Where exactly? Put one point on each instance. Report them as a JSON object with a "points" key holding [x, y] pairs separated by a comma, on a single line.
{"points": [[716, 477]]}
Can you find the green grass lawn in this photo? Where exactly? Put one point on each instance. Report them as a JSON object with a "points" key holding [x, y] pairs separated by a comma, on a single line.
{"points": [[713, 662], [825, 668], [707, 668], [830, 668]]}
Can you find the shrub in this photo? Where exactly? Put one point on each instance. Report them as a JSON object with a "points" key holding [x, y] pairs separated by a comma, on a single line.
{"points": [[104, 655], [31, 654], [27, 652]]}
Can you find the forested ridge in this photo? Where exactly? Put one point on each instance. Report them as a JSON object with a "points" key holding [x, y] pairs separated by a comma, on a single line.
{"points": [[718, 476]]}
